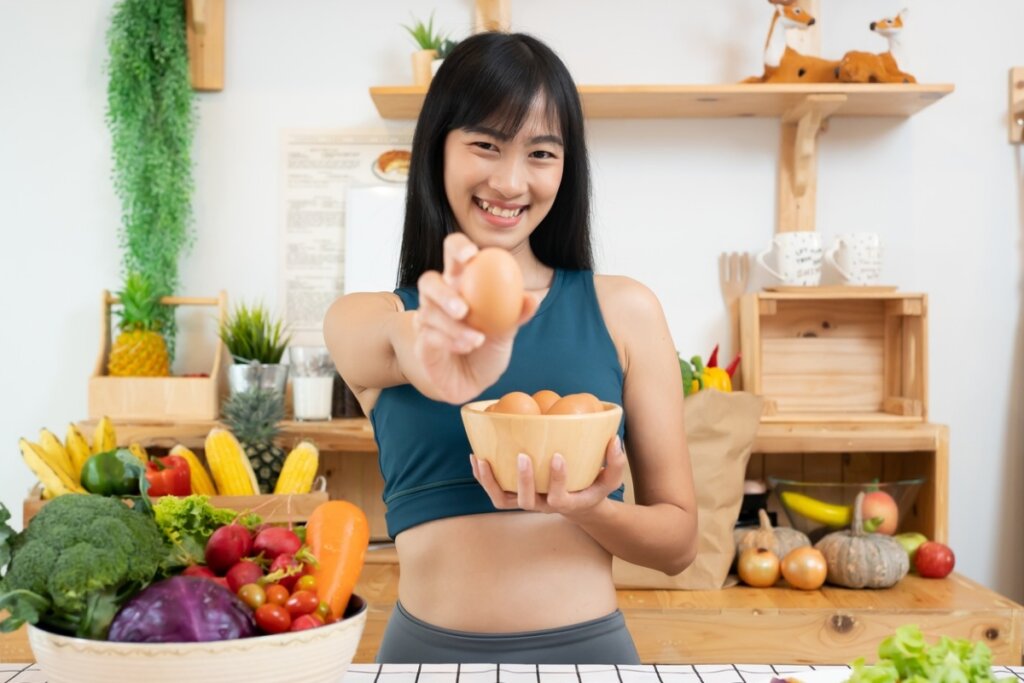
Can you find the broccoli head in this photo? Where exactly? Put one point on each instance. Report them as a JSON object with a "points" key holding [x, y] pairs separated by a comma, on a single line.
{"points": [[79, 559]]}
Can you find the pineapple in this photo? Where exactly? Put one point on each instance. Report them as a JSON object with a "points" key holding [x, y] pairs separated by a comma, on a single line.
{"points": [[253, 416], [140, 349]]}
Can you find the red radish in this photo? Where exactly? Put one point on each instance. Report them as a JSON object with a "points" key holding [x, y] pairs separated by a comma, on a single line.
{"points": [[199, 570], [242, 573], [276, 540], [286, 562], [227, 545], [221, 581]]}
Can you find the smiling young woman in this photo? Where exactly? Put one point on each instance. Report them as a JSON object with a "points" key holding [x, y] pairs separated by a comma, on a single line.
{"points": [[499, 160]]}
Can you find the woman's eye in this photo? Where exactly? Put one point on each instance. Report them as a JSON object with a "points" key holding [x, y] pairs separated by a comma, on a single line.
{"points": [[485, 145], [543, 154]]}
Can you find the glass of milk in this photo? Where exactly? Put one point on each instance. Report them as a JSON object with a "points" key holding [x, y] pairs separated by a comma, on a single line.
{"points": [[312, 374]]}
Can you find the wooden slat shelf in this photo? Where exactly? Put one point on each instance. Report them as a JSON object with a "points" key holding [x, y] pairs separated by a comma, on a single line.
{"points": [[355, 435], [707, 101]]}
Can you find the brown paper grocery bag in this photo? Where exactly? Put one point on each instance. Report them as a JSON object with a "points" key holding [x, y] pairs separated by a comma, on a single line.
{"points": [[720, 431]]}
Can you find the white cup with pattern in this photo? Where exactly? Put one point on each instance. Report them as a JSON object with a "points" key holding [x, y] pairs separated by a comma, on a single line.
{"points": [[857, 257], [796, 256]]}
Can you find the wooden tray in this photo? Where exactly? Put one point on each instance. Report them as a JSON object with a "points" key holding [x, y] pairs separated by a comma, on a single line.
{"points": [[831, 289]]}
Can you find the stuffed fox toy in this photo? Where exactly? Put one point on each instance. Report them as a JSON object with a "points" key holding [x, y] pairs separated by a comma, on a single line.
{"points": [[867, 67]]}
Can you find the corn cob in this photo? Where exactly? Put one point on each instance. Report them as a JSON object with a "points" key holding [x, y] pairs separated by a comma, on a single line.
{"points": [[299, 469], [104, 438], [138, 451], [229, 465], [201, 482], [51, 475], [78, 448], [56, 454]]}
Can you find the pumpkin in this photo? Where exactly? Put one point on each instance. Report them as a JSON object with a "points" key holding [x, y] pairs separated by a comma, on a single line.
{"points": [[858, 559], [780, 540]]}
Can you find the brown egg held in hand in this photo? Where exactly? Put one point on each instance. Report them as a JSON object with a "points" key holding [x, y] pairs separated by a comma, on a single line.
{"points": [[492, 286], [515, 403], [545, 398], [576, 404]]}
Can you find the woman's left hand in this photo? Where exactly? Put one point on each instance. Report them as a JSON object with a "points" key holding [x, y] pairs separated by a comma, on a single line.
{"points": [[558, 498]]}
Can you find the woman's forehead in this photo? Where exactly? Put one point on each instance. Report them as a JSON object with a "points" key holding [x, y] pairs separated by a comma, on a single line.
{"points": [[538, 120]]}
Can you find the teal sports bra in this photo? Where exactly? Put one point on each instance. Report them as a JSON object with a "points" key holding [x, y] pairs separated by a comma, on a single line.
{"points": [[422, 444]]}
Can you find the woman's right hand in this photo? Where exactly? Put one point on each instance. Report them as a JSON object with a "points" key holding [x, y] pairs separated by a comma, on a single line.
{"points": [[459, 361]]}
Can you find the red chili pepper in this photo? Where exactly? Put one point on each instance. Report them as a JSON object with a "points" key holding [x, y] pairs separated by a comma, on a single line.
{"points": [[732, 366], [169, 476], [713, 360]]}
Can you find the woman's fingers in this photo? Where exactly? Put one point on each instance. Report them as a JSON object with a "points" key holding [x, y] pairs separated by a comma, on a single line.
{"points": [[439, 315], [458, 250], [526, 496], [483, 473]]}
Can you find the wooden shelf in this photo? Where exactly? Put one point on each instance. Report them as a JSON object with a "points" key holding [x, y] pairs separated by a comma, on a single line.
{"points": [[707, 101], [355, 435]]}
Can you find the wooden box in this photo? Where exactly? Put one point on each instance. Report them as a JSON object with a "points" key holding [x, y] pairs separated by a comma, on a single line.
{"points": [[278, 509], [836, 354], [158, 398]]}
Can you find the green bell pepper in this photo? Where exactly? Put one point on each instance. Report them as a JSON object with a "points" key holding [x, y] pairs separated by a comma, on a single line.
{"points": [[112, 473]]}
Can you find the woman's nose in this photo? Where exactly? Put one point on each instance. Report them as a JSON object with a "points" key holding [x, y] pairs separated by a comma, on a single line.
{"points": [[509, 178]]}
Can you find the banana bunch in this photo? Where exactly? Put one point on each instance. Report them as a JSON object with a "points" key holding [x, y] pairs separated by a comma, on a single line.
{"points": [[58, 464]]}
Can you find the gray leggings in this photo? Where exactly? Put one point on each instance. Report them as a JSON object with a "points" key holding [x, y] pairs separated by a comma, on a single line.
{"points": [[408, 640]]}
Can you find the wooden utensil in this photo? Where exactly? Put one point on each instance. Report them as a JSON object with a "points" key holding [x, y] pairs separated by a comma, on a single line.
{"points": [[733, 276]]}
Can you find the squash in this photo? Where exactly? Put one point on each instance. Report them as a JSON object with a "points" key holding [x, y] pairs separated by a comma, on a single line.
{"points": [[858, 559], [780, 540]]}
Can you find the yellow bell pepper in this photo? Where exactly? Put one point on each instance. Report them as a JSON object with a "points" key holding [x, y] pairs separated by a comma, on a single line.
{"points": [[716, 378]]}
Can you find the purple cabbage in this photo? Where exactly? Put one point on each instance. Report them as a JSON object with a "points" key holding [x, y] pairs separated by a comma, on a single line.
{"points": [[182, 609]]}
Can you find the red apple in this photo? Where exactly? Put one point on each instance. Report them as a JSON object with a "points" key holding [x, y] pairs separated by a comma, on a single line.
{"points": [[934, 560], [880, 505]]}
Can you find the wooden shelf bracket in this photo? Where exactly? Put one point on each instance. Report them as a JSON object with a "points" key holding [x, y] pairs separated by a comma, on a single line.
{"points": [[204, 24], [798, 159]]}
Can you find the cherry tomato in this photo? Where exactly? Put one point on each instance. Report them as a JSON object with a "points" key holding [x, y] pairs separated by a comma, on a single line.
{"points": [[276, 594], [253, 595], [306, 583], [804, 568], [323, 610], [304, 622], [302, 602], [273, 618], [758, 567]]}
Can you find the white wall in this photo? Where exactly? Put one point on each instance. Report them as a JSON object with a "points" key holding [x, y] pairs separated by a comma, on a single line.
{"points": [[944, 188]]}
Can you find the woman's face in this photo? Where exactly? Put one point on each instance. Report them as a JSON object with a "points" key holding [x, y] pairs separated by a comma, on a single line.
{"points": [[499, 188]]}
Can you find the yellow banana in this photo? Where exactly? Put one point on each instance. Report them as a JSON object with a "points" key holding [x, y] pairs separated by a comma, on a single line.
{"points": [[57, 455], [104, 438], [138, 451], [201, 482], [816, 510], [78, 448], [53, 478]]}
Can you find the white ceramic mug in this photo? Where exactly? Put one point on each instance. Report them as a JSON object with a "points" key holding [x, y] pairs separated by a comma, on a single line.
{"points": [[797, 257], [857, 257]]}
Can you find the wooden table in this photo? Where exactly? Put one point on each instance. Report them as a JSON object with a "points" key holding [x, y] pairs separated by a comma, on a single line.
{"points": [[544, 673]]}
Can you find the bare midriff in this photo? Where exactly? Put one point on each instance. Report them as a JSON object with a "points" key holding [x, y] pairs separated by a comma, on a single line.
{"points": [[503, 572]]}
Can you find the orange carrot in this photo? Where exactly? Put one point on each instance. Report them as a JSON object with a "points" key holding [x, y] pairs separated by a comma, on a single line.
{"points": [[338, 535]]}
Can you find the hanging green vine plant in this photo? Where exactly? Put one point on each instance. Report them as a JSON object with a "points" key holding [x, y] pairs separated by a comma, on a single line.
{"points": [[151, 116]]}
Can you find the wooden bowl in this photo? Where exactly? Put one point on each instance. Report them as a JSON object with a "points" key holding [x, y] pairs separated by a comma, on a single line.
{"points": [[499, 438], [316, 655]]}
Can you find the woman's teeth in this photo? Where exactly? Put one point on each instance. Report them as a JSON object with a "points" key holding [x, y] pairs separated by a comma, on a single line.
{"points": [[497, 211]]}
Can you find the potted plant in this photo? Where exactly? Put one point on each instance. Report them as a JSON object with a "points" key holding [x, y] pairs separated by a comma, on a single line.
{"points": [[257, 343], [429, 43]]}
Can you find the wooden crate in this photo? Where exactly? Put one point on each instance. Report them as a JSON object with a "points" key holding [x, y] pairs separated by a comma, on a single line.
{"points": [[273, 509], [158, 398], [850, 452], [836, 354]]}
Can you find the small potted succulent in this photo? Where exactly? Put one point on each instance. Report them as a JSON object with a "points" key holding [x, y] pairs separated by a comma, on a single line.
{"points": [[257, 343], [429, 42]]}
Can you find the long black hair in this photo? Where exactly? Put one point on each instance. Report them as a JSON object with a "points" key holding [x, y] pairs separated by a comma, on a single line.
{"points": [[493, 79]]}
